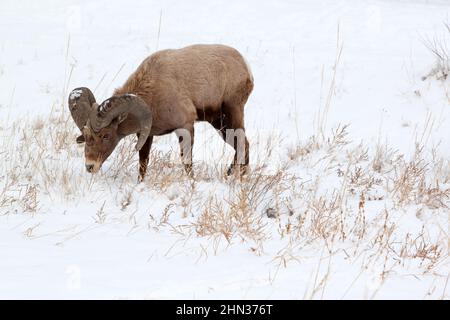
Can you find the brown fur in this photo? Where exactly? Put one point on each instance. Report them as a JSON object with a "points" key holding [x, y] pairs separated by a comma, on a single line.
{"points": [[196, 83]]}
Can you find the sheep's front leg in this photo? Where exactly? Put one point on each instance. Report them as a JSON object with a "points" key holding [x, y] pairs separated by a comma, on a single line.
{"points": [[143, 158], [186, 139]]}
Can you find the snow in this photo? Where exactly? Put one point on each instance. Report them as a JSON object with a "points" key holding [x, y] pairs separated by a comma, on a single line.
{"points": [[65, 233], [75, 94]]}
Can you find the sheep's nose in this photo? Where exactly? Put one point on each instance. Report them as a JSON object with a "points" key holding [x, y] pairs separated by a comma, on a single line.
{"points": [[89, 167]]}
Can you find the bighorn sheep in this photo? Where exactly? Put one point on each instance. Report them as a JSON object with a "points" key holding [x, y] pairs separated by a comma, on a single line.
{"points": [[168, 92]]}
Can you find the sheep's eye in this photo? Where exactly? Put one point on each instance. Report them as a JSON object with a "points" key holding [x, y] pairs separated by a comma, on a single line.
{"points": [[106, 137]]}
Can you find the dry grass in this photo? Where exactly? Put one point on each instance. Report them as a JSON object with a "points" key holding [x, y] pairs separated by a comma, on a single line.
{"points": [[360, 215], [322, 115], [328, 195], [439, 47], [46, 163]]}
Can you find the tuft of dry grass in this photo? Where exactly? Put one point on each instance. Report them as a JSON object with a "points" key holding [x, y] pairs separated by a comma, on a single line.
{"points": [[326, 193], [439, 47]]}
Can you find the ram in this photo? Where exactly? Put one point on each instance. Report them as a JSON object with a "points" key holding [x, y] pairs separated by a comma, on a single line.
{"points": [[169, 92]]}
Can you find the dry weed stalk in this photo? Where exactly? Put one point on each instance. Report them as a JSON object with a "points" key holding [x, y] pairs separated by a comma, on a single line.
{"points": [[439, 47], [329, 200]]}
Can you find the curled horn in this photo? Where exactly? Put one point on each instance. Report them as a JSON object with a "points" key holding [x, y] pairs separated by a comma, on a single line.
{"points": [[124, 104], [81, 103]]}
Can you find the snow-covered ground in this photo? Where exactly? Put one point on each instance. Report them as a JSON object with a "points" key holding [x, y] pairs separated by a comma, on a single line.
{"points": [[350, 155]]}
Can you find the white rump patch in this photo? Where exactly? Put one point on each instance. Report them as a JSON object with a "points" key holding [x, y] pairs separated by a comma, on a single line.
{"points": [[75, 94]]}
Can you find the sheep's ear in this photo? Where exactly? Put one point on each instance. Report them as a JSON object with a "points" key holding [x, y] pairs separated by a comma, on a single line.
{"points": [[80, 139]]}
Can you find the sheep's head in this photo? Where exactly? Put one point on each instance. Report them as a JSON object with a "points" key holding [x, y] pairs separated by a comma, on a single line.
{"points": [[99, 145], [100, 124]]}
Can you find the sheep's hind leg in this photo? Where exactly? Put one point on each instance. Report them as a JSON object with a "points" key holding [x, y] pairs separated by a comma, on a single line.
{"points": [[238, 140], [231, 129]]}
